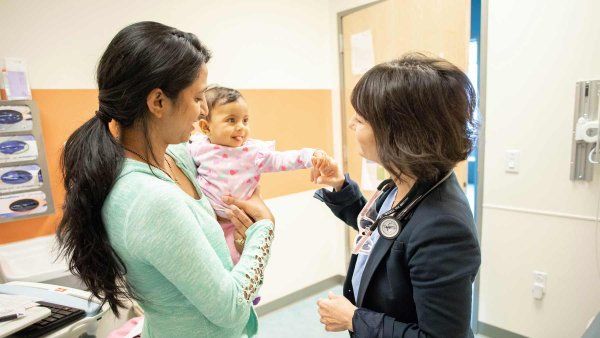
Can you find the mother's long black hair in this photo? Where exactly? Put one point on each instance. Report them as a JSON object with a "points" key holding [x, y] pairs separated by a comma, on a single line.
{"points": [[140, 58]]}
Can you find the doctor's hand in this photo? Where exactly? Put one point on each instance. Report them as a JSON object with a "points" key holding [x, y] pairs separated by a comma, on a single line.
{"points": [[327, 171], [336, 313]]}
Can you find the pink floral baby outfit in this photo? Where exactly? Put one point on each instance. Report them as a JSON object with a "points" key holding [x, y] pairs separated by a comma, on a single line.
{"points": [[236, 172]]}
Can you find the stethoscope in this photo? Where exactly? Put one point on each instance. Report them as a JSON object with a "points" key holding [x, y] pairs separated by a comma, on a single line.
{"points": [[390, 223]]}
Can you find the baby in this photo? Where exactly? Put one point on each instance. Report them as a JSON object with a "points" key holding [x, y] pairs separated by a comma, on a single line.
{"points": [[229, 162]]}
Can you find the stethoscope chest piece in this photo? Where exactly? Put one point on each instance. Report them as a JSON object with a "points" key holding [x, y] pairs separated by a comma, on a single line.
{"points": [[389, 227]]}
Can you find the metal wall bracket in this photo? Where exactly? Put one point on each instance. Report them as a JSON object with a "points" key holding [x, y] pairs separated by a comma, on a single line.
{"points": [[585, 137]]}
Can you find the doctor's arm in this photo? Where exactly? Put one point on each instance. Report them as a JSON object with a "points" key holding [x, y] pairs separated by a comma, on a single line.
{"points": [[346, 200], [346, 203]]}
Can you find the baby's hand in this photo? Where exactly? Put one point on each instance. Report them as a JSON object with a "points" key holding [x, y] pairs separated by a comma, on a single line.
{"points": [[317, 155], [327, 171]]}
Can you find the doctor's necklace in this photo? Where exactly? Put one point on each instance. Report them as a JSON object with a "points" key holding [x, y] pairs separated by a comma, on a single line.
{"points": [[161, 169]]}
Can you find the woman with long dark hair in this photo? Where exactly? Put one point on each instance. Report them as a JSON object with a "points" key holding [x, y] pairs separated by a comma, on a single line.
{"points": [[135, 224]]}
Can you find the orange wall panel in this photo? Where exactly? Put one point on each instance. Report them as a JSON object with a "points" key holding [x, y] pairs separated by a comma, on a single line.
{"points": [[294, 118]]}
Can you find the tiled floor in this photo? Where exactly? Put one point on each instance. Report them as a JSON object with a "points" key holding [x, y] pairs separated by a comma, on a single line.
{"points": [[299, 320]]}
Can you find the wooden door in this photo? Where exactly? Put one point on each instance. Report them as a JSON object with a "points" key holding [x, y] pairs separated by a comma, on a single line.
{"points": [[396, 27]]}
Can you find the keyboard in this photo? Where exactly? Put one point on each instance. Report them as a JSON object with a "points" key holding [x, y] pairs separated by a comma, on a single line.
{"points": [[60, 316]]}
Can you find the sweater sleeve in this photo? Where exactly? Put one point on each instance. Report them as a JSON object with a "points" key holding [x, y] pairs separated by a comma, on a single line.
{"points": [[273, 161], [166, 234]]}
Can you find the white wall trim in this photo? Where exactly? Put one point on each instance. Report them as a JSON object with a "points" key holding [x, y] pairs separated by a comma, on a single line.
{"points": [[539, 212]]}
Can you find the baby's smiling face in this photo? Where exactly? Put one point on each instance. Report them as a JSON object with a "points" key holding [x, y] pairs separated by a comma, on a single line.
{"points": [[228, 124]]}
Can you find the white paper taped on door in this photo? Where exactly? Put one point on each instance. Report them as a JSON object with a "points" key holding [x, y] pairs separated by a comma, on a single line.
{"points": [[361, 52]]}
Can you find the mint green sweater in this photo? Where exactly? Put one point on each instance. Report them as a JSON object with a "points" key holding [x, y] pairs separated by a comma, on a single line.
{"points": [[176, 257]]}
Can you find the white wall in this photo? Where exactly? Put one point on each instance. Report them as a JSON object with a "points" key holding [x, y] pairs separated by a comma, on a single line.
{"points": [[256, 44], [538, 219], [309, 245]]}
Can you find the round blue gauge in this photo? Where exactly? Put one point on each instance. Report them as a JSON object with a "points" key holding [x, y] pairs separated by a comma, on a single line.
{"points": [[23, 205], [9, 116], [16, 177], [13, 147]]}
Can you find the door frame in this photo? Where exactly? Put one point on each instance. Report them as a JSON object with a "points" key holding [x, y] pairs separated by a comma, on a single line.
{"points": [[483, 35], [343, 120]]}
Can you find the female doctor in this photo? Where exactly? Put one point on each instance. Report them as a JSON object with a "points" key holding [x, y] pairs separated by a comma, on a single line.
{"points": [[416, 253]]}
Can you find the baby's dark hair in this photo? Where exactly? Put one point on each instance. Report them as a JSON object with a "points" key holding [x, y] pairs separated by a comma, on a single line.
{"points": [[217, 96]]}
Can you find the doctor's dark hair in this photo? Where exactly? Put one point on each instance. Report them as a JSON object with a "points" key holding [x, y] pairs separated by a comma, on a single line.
{"points": [[421, 110], [140, 58]]}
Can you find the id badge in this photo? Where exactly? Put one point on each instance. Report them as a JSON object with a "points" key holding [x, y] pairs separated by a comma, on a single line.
{"points": [[363, 242]]}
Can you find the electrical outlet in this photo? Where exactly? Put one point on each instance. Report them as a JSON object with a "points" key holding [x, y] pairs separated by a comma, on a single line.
{"points": [[540, 277], [539, 285]]}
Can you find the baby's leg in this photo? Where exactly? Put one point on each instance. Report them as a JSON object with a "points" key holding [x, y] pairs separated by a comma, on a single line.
{"points": [[229, 231]]}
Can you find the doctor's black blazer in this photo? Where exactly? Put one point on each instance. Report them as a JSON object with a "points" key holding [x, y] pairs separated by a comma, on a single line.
{"points": [[420, 283]]}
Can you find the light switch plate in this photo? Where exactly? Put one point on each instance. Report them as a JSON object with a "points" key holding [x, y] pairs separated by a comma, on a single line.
{"points": [[512, 161]]}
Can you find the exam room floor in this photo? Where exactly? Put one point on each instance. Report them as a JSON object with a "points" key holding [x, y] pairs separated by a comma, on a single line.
{"points": [[299, 320]]}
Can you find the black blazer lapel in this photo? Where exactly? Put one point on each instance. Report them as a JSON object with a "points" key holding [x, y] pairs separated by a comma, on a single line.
{"points": [[348, 290], [382, 246]]}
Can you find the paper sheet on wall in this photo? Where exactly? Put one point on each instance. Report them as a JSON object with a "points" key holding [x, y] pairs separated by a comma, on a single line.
{"points": [[16, 82], [362, 54], [372, 174]]}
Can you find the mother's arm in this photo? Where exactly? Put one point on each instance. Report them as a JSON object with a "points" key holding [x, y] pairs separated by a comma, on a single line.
{"points": [[166, 234]]}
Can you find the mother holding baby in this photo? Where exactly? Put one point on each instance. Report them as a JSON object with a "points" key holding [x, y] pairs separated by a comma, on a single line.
{"points": [[137, 225]]}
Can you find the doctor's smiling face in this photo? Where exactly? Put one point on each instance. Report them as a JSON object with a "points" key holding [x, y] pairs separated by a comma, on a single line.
{"points": [[365, 138]]}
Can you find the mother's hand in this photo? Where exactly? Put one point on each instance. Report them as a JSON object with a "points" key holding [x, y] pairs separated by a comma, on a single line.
{"points": [[245, 213]]}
